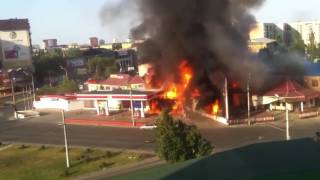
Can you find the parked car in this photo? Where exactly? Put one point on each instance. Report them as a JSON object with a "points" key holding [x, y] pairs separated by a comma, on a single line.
{"points": [[148, 126]]}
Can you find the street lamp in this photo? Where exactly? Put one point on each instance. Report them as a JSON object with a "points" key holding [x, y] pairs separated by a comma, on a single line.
{"points": [[65, 70], [287, 117], [131, 104], [12, 79], [248, 98], [32, 83], [65, 139]]}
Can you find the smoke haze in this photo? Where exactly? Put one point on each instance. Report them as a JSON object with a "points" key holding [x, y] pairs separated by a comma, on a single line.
{"points": [[211, 35]]}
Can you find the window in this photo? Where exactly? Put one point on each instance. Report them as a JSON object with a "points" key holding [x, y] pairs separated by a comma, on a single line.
{"points": [[314, 83]]}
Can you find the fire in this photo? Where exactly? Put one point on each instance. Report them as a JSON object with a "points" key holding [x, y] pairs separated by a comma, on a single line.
{"points": [[195, 93], [215, 108], [176, 91], [154, 107], [172, 92]]}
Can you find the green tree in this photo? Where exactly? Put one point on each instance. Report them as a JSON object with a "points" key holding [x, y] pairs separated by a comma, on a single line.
{"points": [[178, 141], [297, 44], [101, 67], [47, 64], [311, 47], [73, 53], [67, 86]]}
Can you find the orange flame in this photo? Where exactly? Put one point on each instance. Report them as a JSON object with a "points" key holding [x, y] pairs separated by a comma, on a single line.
{"points": [[154, 107], [176, 91], [215, 108]]}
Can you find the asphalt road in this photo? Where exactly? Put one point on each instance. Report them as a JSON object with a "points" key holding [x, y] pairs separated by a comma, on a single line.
{"points": [[45, 130]]}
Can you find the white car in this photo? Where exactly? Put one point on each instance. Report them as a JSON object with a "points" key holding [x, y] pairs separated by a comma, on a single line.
{"points": [[148, 126]]}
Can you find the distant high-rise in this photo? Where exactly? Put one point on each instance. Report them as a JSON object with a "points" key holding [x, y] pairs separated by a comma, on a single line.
{"points": [[15, 43], [265, 30], [102, 42], [306, 28], [94, 42], [50, 43]]}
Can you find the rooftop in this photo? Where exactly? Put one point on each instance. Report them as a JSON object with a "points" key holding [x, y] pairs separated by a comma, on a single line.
{"points": [[14, 24], [312, 69], [118, 80], [123, 92], [291, 90]]}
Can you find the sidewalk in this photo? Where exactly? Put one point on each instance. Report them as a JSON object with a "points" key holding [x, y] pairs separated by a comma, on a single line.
{"points": [[112, 123], [121, 119]]}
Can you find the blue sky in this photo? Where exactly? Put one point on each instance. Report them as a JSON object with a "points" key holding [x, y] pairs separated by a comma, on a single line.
{"points": [[77, 20]]}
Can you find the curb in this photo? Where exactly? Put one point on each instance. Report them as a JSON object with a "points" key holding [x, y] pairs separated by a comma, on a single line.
{"points": [[7, 143], [122, 170], [90, 122]]}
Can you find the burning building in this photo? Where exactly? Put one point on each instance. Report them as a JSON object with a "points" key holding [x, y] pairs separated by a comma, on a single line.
{"points": [[198, 51], [194, 46]]}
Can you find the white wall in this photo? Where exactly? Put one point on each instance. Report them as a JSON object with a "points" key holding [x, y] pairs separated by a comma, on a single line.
{"points": [[57, 103]]}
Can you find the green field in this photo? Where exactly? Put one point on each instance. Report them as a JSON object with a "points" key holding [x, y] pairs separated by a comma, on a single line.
{"points": [[39, 162], [287, 160]]}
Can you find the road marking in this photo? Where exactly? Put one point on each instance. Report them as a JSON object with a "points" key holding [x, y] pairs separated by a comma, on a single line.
{"points": [[276, 127]]}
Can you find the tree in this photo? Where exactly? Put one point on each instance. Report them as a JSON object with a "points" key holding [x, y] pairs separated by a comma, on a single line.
{"points": [[311, 47], [298, 44], [101, 67], [68, 86], [178, 141], [73, 53], [47, 64]]}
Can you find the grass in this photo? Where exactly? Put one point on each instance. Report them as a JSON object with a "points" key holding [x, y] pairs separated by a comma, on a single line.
{"points": [[41, 162], [287, 160]]}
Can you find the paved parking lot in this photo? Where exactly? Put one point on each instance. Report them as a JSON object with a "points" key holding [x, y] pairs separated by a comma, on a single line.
{"points": [[45, 130]]}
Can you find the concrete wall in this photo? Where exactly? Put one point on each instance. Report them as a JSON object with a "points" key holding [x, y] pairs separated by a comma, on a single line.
{"points": [[313, 82]]}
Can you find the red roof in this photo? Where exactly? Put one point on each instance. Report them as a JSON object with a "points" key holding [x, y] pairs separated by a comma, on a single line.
{"points": [[118, 80], [91, 81], [292, 90], [136, 80], [14, 24], [66, 97]]}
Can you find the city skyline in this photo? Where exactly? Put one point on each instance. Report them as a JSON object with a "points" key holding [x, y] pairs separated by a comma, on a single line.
{"points": [[75, 21]]}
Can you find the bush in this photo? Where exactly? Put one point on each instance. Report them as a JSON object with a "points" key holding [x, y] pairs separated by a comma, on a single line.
{"points": [[23, 146], [108, 154], [178, 141], [43, 147]]}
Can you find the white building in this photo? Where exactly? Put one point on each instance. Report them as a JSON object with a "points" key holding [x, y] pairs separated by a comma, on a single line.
{"points": [[305, 28], [15, 43]]}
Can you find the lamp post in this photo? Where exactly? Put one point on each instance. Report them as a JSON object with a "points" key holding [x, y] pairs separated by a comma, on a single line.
{"points": [[65, 70], [65, 139], [12, 91], [226, 97], [248, 98], [32, 83], [33, 90], [287, 117], [13, 99], [131, 104]]}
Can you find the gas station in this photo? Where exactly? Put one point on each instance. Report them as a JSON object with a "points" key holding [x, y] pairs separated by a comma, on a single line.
{"points": [[105, 102]]}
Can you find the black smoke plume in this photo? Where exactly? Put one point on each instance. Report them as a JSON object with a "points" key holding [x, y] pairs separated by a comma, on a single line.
{"points": [[211, 35]]}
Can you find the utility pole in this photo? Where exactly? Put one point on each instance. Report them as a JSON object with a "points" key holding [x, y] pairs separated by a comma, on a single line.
{"points": [[248, 98], [287, 122], [131, 104], [24, 98], [33, 90], [287, 116], [226, 97], [65, 139], [12, 92]]}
